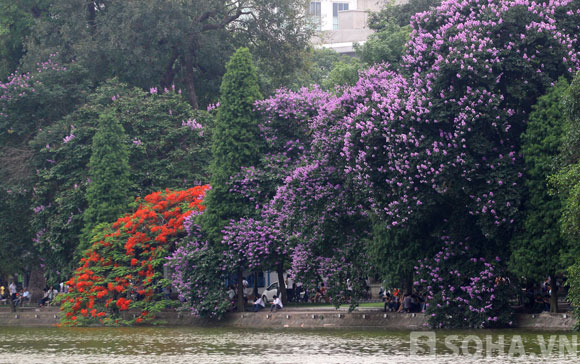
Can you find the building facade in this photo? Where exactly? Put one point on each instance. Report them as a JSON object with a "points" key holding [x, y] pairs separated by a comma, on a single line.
{"points": [[342, 23]]}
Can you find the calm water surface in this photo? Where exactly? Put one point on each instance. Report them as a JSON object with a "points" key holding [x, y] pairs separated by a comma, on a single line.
{"points": [[219, 345]]}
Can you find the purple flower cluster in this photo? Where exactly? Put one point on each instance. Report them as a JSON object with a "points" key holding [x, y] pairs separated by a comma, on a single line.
{"points": [[462, 290]]}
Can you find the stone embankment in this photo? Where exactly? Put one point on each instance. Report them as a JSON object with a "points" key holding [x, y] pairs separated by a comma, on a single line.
{"points": [[311, 318]]}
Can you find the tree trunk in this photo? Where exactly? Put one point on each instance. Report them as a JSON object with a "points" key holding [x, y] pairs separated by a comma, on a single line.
{"points": [[241, 303], [282, 285], [91, 17], [190, 81], [554, 296], [170, 70], [36, 283], [12, 305], [255, 285], [407, 287]]}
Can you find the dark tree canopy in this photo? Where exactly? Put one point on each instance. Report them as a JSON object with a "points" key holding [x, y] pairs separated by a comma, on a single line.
{"points": [[160, 43]]}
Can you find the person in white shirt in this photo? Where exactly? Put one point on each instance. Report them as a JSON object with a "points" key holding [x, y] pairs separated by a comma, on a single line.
{"points": [[231, 293], [277, 304], [26, 295], [12, 290], [259, 304]]}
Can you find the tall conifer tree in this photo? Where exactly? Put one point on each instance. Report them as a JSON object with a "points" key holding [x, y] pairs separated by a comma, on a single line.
{"points": [[236, 143], [108, 191]]}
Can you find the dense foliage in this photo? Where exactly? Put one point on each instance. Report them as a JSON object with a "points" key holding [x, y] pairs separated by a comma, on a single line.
{"points": [[168, 145], [159, 42], [108, 186], [236, 143], [16, 20], [428, 166], [462, 289], [539, 247], [123, 268], [198, 274], [566, 189]]}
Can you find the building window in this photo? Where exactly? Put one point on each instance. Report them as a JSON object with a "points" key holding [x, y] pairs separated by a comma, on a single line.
{"points": [[336, 7], [316, 14]]}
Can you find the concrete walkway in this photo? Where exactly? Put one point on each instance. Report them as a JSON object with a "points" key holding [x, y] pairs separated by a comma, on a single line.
{"points": [[292, 317]]}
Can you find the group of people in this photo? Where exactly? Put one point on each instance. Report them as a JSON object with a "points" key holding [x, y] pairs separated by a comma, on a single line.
{"points": [[398, 302], [18, 296], [48, 294], [260, 304], [537, 298]]}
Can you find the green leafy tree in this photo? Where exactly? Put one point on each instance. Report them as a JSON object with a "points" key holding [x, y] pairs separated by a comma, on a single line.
{"points": [[386, 44], [29, 103], [324, 67], [400, 14], [16, 20], [538, 247], [236, 143], [565, 180], [566, 187], [16, 245], [109, 185], [186, 43], [343, 73], [169, 147]]}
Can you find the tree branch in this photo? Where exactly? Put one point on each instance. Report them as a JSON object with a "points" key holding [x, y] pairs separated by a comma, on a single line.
{"points": [[225, 21]]}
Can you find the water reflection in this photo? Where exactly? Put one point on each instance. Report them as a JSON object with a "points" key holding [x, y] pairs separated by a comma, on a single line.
{"points": [[218, 345]]}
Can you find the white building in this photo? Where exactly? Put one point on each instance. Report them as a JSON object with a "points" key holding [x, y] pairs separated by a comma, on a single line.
{"points": [[341, 23]]}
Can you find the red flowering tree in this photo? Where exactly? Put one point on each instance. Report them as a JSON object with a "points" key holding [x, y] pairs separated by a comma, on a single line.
{"points": [[123, 268]]}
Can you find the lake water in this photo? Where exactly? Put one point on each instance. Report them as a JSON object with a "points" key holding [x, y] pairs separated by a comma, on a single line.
{"points": [[219, 345]]}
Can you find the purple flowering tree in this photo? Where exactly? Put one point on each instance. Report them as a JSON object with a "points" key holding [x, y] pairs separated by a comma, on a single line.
{"points": [[462, 290], [308, 220], [198, 274], [446, 131], [437, 146], [434, 146]]}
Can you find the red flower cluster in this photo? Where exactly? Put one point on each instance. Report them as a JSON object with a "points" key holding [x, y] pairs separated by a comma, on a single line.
{"points": [[126, 260]]}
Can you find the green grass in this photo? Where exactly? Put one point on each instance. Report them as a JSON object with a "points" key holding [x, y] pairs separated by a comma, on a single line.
{"points": [[372, 304]]}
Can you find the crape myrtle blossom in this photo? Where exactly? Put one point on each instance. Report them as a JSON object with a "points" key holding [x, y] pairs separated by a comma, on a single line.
{"points": [[447, 127], [197, 274], [19, 86], [306, 213], [254, 244], [443, 132], [325, 229], [463, 290]]}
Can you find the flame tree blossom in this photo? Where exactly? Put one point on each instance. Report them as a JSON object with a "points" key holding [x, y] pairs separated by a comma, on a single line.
{"points": [[463, 290], [123, 268]]}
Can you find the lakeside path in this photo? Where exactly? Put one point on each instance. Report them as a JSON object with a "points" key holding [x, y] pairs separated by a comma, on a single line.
{"points": [[292, 317]]}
